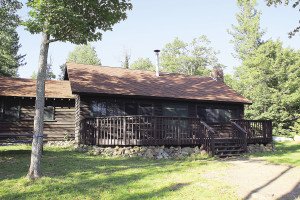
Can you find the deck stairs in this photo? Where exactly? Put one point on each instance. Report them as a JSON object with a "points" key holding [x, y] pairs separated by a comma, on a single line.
{"points": [[225, 145], [228, 148]]}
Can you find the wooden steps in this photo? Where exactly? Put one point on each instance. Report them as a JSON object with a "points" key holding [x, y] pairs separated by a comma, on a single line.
{"points": [[228, 148]]}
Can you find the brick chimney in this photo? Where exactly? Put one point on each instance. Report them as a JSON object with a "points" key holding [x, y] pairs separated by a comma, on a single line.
{"points": [[217, 74]]}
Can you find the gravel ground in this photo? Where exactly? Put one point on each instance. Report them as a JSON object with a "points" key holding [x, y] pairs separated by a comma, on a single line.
{"points": [[256, 179]]}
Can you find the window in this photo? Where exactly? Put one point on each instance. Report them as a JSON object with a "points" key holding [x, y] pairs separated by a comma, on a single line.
{"points": [[10, 110], [131, 109], [1, 109], [175, 110], [146, 109], [114, 109], [98, 108], [49, 113], [214, 115]]}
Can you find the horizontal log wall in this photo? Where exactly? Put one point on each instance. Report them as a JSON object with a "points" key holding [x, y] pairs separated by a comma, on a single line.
{"points": [[60, 128]]}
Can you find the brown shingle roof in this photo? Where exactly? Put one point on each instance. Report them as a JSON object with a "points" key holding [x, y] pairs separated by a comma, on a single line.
{"points": [[113, 80], [21, 87]]}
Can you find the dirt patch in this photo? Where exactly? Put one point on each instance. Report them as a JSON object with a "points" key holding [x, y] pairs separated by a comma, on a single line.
{"points": [[256, 179]]}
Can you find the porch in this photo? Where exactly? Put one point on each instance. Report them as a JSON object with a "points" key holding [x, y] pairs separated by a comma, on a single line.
{"points": [[173, 131]]}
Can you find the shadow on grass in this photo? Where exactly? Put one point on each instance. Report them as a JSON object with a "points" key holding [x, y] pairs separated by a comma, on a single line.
{"points": [[68, 172]]}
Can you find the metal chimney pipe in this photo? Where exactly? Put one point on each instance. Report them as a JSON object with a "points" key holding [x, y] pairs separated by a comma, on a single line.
{"points": [[157, 66]]}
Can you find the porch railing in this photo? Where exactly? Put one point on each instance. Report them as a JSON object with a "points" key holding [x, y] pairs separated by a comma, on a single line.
{"points": [[147, 130], [239, 134], [158, 130], [258, 131]]}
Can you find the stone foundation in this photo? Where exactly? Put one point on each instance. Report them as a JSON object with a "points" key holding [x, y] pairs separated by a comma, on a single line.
{"points": [[69, 143], [152, 152], [257, 148]]}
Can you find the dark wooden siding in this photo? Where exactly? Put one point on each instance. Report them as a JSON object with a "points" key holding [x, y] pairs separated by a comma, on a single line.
{"points": [[62, 126]]}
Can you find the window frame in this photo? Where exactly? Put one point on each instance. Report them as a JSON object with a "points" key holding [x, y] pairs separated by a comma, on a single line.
{"points": [[53, 114], [3, 110]]}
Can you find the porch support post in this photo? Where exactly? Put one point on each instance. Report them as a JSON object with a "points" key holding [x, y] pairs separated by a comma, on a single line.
{"points": [[78, 119]]}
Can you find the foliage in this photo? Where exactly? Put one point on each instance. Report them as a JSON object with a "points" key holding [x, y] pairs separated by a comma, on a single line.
{"points": [[33, 75], [143, 64], [192, 58], [71, 175], [84, 54], [246, 34], [271, 79], [78, 21], [295, 129], [10, 60], [295, 3], [286, 153]]}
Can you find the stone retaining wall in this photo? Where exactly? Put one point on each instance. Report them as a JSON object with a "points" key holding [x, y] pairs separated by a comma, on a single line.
{"points": [[255, 148], [152, 152]]}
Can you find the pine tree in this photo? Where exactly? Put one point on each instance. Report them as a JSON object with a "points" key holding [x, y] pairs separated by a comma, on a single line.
{"points": [[247, 34], [10, 59], [125, 63]]}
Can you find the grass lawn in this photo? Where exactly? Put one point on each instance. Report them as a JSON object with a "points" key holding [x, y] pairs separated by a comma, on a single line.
{"points": [[72, 175], [286, 153]]}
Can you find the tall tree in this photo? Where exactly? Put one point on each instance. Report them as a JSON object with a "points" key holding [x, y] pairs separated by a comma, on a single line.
{"points": [[62, 71], [125, 62], [78, 22], [49, 72], [84, 54], [10, 59], [33, 75], [143, 64], [295, 4], [271, 78], [192, 58], [247, 34]]}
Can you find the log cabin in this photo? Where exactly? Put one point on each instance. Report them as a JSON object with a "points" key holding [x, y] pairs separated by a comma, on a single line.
{"points": [[17, 101], [110, 106]]}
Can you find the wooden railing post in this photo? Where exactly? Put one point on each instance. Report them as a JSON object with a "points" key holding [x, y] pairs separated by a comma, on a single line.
{"points": [[97, 131], [124, 130]]}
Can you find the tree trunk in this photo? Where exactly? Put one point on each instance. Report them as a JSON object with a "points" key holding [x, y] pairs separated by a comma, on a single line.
{"points": [[37, 142]]}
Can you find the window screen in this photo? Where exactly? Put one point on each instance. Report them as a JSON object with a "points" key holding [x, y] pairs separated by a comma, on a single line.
{"points": [[175, 110], [131, 109], [1, 109], [146, 109], [98, 108], [114, 109], [48, 113], [11, 110], [214, 115]]}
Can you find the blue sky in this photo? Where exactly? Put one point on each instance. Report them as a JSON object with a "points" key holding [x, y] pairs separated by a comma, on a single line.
{"points": [[152, 24]]}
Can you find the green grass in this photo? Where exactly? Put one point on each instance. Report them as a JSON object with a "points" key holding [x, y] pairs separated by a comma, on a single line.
{"points": [[286, 153], [72, 175]]}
